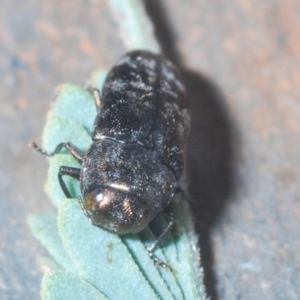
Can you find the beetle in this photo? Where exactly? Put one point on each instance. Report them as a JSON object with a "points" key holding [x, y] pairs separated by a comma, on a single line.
{"points": [[131, 170]]}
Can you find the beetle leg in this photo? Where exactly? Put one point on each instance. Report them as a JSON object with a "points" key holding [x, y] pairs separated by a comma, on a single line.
{"points": [[151, 248], [97, 98], [96, 95], [164, 233], [74, 151], [159, 262], [72, 172]]}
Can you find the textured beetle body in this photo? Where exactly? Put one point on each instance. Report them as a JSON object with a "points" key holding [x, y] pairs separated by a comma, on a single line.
{"points": [[139, 143], [130, 172]]}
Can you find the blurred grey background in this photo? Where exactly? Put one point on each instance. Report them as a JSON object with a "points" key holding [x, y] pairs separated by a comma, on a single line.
{"points": [[241, 64]]}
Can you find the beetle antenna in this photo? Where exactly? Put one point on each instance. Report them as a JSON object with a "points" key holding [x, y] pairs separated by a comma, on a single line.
{"points": [[39, 149]]}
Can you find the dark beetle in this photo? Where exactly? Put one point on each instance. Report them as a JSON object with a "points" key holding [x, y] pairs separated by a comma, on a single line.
{"points": [[131, 170]]}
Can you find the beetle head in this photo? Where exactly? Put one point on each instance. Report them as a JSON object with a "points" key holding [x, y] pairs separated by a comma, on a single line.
{"points": [[115, 210]]}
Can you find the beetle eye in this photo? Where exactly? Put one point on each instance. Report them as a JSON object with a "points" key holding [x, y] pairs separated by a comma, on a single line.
{"points": [[93, 200]]}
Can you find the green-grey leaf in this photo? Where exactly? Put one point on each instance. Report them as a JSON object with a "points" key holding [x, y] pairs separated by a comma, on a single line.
{"points": [[169, 277], [191, 273], [101, 257], [164, 285], [69, 98], [44, 228], [60, 285], [135, 28]]}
